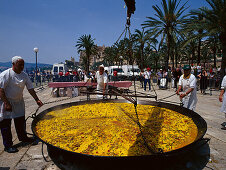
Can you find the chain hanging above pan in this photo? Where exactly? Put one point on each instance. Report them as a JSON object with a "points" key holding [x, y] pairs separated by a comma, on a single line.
{"points": [[130, 10]]}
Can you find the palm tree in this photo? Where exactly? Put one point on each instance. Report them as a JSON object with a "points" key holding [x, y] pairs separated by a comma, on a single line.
{"points": [[167, 23], [213, 23], [86, 44], [141, 37], [213, 43], [152, 51]]}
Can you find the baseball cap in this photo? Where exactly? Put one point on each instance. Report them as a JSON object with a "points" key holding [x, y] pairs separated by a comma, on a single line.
{"points": [[187, 67]]}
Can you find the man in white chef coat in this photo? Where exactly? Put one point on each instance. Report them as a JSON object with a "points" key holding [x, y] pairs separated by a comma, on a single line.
{"points": [[12, 83], [222, 98], [102, 81], [187, 84]]}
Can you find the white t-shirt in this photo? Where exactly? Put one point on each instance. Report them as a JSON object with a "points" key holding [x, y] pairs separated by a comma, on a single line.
{"points": [[101, 80], [13, 84], [199, 69], [147, 74], [190, 100]]}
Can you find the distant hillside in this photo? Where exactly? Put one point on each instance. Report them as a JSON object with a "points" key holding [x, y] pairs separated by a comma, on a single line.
{"points": [[29, 66]]}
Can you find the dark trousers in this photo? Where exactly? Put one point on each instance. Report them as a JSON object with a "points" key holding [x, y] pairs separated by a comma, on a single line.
{"points": [[175, 83], [20, 127], [145, 83]]}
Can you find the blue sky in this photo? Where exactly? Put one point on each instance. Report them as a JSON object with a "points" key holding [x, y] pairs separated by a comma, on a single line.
{"points": [[54, 26]]}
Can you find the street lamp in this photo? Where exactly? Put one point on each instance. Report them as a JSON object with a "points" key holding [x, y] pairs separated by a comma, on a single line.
{"points": [[36, 69]]}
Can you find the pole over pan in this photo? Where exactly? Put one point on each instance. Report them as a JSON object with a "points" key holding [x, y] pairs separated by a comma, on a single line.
{"points": [[130, 9]]}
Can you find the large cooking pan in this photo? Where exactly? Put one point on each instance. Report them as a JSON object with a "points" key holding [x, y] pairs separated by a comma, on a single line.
{"points": [[71, 160]]}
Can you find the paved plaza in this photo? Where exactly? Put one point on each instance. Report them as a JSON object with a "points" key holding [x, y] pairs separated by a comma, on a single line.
{"points": [[30, 157]]}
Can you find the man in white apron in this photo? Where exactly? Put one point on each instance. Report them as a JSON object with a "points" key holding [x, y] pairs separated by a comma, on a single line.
{"points": [[12, 83], [222, 98], [187, 83], [102, 80]]}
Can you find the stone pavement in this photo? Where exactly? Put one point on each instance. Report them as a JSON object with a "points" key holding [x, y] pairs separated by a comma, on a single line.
{"points": [[214, 153]]}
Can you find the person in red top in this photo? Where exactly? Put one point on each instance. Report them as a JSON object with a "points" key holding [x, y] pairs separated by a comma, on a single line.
{"points": [[75, 73], [115, 75], [60, 78], [67, 74], [211, 70]]}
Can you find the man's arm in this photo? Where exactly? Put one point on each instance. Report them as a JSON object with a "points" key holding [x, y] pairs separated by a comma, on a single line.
{"points": [[185, 94], [7, 104], [222, 89], [34, 95], [179, 86], [178, 90], [221, 95], [105, 86]]}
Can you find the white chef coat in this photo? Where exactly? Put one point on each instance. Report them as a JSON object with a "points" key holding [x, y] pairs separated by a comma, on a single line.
{"points": [[101, 80], [223, 87], [13, 85], [190, 100]]}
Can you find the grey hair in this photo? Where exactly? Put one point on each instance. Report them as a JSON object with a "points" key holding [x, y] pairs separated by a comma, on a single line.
{"points": [[16, 58]]}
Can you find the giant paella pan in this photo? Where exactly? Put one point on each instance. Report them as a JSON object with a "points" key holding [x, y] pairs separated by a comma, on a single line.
{"points": [[110, 134]]}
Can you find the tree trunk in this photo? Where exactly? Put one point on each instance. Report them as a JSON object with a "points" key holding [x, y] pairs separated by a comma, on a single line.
{"points": [[142, 56], [199, 52], [199, 44], [176, 59], [87, 67], [189, 59], [223, 62], [193, 56], [168, 54], [172, 58], [214, 57]]}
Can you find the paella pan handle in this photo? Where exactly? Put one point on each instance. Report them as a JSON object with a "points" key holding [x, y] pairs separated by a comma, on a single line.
{"points": [[204, 141], [44, 155]]}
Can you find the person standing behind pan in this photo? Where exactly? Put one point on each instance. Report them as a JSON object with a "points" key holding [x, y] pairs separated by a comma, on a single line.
{"points": [[187, 82], [222, 98], [102, 80]]}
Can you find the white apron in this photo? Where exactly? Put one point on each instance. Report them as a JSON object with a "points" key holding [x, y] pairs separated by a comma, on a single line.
{"points": [[101, 80], [99, 90], [223, 107], [223, 87], [13, 85], [190, 100], [18, 109]]}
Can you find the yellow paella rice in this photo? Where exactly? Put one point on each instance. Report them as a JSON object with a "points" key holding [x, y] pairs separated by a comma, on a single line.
{"points": [[111, 129]]}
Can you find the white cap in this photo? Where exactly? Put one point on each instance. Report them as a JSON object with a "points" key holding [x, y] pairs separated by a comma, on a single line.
{"points": [[101, 65], [16, 58]]}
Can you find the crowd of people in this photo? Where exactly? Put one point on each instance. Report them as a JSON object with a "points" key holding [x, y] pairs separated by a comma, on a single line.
{"points": [[206, 78], [69, 76], [14, 80]]}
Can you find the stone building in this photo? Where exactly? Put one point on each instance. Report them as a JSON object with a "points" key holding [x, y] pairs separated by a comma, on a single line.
{"points": [[94, 58]]}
